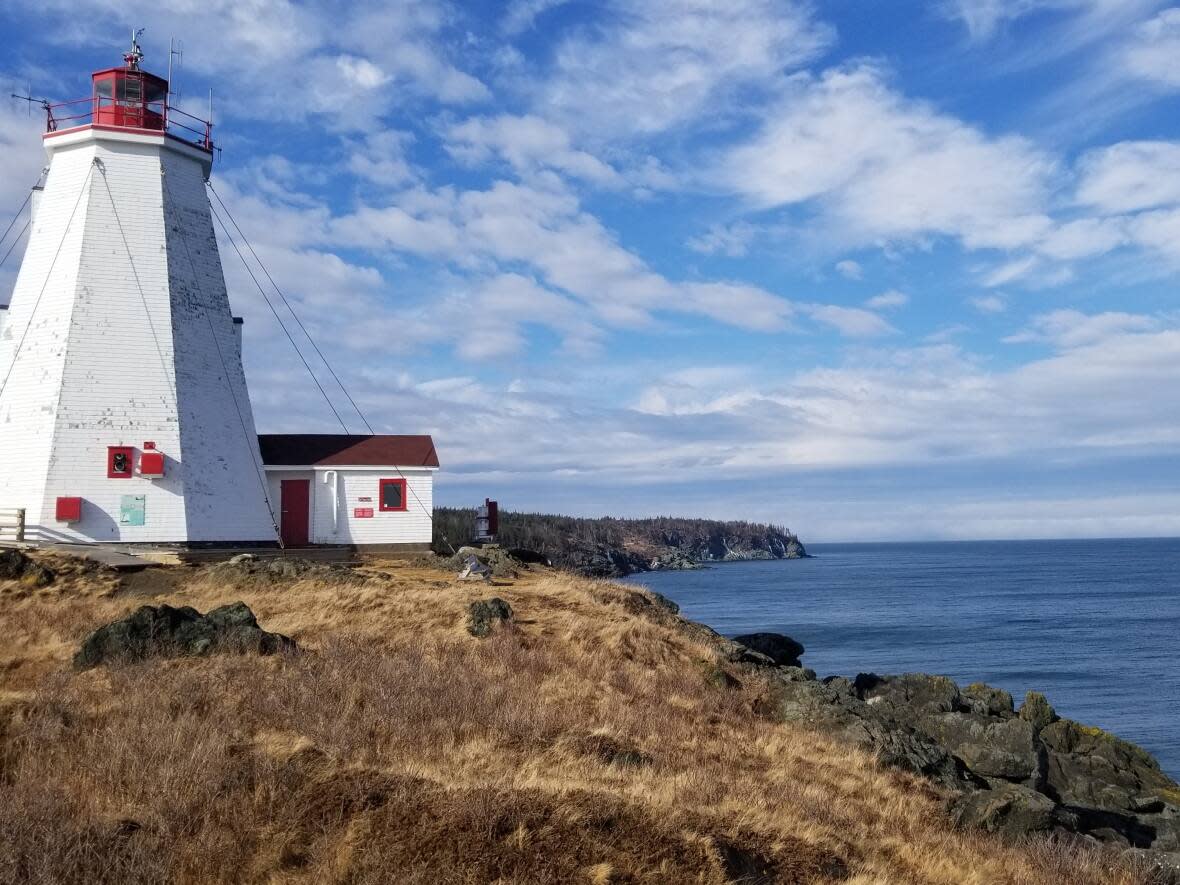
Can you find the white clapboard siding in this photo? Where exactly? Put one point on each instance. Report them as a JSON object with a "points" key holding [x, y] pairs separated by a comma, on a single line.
{"points": [[352, 486], [128, 340]]}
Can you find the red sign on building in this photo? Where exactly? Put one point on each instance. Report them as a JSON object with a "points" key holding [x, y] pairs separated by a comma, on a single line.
{"points": [[363, 512]]}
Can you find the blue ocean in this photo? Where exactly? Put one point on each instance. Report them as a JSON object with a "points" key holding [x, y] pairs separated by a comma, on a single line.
{"points": [[1094, 625]]}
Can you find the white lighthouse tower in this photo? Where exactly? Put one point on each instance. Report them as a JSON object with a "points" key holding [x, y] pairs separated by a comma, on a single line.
{"points": [[124, 415]]}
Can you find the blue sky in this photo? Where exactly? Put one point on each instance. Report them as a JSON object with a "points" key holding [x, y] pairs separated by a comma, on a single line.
{"points": [[875, 270]]}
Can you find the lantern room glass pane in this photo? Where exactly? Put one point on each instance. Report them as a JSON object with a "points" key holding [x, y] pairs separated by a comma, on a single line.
{"points": [[104, 88], [130, 90]]}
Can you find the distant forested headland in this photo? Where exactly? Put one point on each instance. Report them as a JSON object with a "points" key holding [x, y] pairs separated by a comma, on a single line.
{"points": [[611, 547]]}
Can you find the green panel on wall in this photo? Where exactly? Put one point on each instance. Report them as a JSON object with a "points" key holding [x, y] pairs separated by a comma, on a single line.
{"points": [[131, 511]]}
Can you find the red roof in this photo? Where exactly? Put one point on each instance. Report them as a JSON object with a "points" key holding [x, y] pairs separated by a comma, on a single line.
{"points": [[328, 449]]}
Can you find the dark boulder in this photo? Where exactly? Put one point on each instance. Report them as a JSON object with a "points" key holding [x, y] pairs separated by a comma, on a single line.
{"points": [[833, 707], [991, 748], [499, 560], [910, 695], [983, 700], [1011, 810], [484, 615], [164, 631], [1092, 768], [783, 650], [15, 565], [529, 557]]}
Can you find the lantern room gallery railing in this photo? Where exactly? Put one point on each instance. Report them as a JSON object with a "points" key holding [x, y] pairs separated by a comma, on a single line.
{"points": [[156, 116]]}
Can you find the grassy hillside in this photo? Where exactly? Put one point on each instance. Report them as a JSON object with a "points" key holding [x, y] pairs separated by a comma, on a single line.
{"points": [[599, 740], [608, 546]]}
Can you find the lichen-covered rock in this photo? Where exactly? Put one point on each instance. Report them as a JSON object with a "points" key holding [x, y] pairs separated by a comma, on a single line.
{"points": [[1090, 767], [499, 560], [1010, 809], [165, 631], [1037, 711], [674, 561], [782, 650], [834, 708], [991, 748], [484, 615], [983, 700], [909, 696], [15, 565]]}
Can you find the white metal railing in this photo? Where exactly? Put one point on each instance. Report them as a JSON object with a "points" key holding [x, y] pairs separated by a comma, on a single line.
{"points": [[12, 524]]}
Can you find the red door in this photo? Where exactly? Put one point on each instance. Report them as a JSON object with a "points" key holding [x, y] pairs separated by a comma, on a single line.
{"points": [[295, 498]]}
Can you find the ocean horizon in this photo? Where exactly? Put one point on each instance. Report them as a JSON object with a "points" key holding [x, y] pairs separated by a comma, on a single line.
{"points": [[1092, 624]]}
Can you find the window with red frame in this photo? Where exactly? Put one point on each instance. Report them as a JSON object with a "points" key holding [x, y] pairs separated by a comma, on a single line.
{"points": [[120, 461], [393, 494]]}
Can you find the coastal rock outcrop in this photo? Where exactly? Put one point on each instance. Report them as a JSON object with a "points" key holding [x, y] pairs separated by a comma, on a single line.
{"points": [[1013, 772], [165, 631], [782, 650]]}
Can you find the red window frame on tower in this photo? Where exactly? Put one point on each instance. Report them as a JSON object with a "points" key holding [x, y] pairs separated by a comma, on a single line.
{"points": [[401, 483], [129, 453]]}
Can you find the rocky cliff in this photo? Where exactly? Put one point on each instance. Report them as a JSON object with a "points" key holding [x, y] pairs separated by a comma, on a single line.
{"points": [[614, 547], [1014, 771]]}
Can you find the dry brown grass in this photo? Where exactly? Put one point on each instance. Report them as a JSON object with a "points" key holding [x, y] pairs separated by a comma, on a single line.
{"points": [[592, 743]]}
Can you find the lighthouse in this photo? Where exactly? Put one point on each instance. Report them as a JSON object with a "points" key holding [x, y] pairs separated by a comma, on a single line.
{"points": [[124, 413]]}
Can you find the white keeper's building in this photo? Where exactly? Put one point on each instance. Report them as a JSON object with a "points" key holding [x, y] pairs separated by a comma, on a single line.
{"points": [[124, 413]]}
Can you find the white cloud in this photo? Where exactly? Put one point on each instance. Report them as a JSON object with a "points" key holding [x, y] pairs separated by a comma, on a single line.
{"points": [[983, 18], [655, 64], [852, 322], [1083, 238], [1159, 231], [989, 303], [527, 143], [1078, 23], [1154, 54], [1104, 389], [1070, 329], [888, 300], [1130, 176], [1010, 271], [879, 166], [348, 64], [568, 249], [361, 72], [381, 158], [730, 240], [521, 14], [850, 270]]}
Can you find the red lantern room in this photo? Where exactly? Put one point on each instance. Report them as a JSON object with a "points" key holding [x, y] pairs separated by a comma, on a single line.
{"points": [[130, 97]]}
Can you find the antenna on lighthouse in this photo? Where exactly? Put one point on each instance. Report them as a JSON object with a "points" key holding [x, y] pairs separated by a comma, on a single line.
{"points": [[175, 51], [134, 55]]}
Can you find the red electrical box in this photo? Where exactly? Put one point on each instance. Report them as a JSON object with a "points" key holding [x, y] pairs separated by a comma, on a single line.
{"points": [[69, 509], [151, 465]]}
